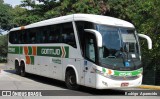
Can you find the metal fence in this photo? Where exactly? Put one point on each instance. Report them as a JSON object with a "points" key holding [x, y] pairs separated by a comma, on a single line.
{"points": [[151, 77]]}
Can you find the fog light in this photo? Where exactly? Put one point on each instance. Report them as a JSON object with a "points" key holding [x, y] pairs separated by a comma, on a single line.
{"points": [[105, 83], [139, 75]]}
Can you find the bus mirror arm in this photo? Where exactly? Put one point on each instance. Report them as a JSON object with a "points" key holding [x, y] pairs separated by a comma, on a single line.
{"points": [[97, 34], [149, 41]]}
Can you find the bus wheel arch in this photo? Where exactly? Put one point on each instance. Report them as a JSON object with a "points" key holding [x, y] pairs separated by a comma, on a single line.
{"points": [[22, 68], [71, 78]]}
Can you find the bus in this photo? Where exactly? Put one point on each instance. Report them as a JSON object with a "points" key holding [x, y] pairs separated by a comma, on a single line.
{"points": [[80, 49]]}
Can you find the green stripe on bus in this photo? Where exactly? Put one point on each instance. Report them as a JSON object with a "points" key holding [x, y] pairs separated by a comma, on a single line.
{"points": [[52, 51], [21, 50], [67, 51], [32, 60], [13, 50], [29, 50]]}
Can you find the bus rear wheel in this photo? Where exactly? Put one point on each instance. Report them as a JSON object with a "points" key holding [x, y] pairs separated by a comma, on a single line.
{"points": [[70, 80], [23, 72], [17, 68]]}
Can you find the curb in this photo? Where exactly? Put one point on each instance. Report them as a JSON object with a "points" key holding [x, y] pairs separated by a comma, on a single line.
{"points": [[2, 64], [150, 87]]}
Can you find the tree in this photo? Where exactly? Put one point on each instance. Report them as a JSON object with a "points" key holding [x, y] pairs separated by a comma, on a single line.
{"points": [[1, 1], [23, 17], [146, 18], [5, 16], [3, 45], [53, 8]]}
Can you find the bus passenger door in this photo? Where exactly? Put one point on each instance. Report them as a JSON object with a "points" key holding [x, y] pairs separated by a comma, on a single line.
{"points": [[90, 60]]}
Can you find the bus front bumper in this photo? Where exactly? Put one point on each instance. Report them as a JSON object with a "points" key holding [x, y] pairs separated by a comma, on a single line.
{"points": [[107, 83]]}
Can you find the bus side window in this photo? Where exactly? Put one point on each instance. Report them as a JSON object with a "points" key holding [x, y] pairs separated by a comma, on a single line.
{"points": [[68, 36], [32, 36], [51, 37], [16, 37], [39, 35], [54, 35], [12, 37], [24, 37], [44, 35]]}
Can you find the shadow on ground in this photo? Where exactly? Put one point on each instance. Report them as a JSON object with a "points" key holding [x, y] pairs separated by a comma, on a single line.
{"points": [[83, 91]]}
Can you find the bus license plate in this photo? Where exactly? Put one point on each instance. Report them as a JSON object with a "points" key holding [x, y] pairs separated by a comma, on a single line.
{"points": [[124, 84]]}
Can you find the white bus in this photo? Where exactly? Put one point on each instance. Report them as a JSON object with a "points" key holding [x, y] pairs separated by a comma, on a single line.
{"points": [[81, 49]]}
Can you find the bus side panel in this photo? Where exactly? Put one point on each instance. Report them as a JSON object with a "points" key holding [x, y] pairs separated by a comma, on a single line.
{"points": [[89, 74], [13, 55], [55, 68], [11, 61], [74, 61], [42, 65]]}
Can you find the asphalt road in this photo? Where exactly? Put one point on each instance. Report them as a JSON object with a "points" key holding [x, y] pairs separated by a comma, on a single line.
{"points": [[10, 81]]}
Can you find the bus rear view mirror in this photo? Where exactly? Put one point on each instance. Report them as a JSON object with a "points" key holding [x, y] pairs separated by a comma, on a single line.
{"points": [[149, 41], [97, 34]]}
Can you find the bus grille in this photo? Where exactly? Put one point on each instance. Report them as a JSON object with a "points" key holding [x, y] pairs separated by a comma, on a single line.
{"points": [[123, 77]]}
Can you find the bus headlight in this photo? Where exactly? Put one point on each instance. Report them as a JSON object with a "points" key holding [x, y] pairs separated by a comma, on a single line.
{"points": [[102, 73]]}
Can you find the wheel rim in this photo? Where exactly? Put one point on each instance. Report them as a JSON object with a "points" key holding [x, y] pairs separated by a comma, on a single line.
{"points": [[16, 67], [22, 71], [72, 80]]}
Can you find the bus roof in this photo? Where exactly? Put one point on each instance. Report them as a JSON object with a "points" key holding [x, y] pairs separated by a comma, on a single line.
{"points": [[99, 19]]}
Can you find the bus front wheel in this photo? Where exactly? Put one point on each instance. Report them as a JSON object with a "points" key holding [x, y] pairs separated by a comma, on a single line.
{"points": [[70, 80]]}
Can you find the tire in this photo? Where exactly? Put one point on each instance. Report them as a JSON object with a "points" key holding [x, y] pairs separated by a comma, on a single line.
{"points": [[17, 68], [71, 80], [22, 71]]}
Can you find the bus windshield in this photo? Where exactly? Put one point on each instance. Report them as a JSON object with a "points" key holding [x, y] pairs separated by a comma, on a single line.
{"points": [[120, 48]]}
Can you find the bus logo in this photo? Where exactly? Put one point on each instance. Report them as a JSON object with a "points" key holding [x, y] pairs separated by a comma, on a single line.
{"points": [[56, 51], [50, 51]]}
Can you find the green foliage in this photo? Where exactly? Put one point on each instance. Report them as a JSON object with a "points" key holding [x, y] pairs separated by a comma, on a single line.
{"points": [[23, 17], [5, 16], [1, 1], [145, 15], [3, 45], [53, 8], [149, 24], [3, 48]]}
